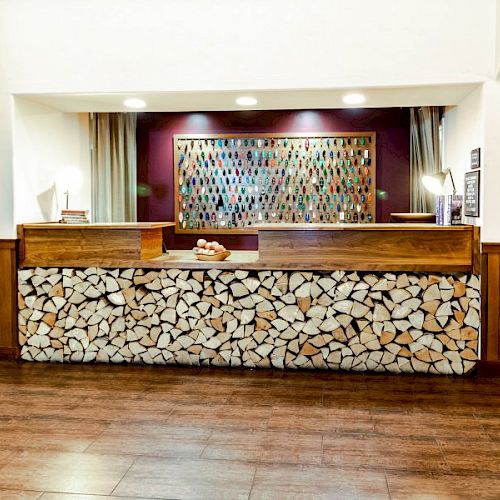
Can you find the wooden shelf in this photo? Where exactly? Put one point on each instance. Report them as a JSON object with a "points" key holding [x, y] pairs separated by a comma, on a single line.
{"points": [[9, 348]]}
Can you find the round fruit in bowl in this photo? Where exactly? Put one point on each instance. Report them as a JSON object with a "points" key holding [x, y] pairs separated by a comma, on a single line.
{"points": [[210, 250]]}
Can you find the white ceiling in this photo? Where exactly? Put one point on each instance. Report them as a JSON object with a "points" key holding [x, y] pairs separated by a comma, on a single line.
{"points": [[407, 96]]}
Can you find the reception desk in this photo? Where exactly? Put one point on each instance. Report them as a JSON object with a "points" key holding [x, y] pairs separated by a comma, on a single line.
{"points": [[393, 298], [367, 247]]}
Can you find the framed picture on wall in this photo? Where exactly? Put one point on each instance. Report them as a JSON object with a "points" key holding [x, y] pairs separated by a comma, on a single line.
{"points": [[471, 198], [230, 183], [475, 159]]}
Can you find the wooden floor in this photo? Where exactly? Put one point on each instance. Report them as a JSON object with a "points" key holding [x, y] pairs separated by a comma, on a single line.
{"points": [[95, 432]]}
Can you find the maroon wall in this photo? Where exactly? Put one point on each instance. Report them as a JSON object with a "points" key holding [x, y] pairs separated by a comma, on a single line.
{"points": [[155, 154]]}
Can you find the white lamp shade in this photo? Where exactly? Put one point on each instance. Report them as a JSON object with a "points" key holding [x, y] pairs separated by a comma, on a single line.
{"points": [[69, 178], [432, 184]]}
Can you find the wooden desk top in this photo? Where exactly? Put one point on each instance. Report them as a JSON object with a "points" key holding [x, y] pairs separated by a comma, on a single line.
{"points": [[304, 226], [249, 260], [103, 225], [181, 259]]}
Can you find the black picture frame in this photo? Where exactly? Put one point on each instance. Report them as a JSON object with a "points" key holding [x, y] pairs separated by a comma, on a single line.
{"points": [[475, 159], [471, 197]]}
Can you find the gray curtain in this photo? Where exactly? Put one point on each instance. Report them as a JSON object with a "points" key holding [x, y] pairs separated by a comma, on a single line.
{"points": [[114, 167], [425, 155]]}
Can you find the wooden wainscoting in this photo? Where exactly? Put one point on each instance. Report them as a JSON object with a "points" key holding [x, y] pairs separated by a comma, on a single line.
{"points": [[9, 348], [490, 325]]}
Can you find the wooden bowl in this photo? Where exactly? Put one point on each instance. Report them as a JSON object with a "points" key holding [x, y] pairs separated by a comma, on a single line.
{"points": [[214, 258]]}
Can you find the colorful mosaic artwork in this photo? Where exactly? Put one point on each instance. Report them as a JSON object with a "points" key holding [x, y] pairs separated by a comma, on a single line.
{"points": [[230, 183]]}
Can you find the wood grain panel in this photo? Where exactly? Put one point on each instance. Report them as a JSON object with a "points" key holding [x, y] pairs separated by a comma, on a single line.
{"points": [[45, 246], [8, 305], [484, 303], [433, 250], [151, 243], [491, 309], [476, 250], [493, 340], [490, 346], [48, 246]]}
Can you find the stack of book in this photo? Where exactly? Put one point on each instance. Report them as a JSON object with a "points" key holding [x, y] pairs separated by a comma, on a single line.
{"points": [[74, 216], [449, 210]]}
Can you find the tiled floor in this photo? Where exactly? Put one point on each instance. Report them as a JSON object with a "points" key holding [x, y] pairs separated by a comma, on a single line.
{"points": [[106, 432]]}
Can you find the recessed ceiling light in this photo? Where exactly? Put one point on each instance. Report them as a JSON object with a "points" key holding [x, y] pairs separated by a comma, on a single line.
{"points": [[134, 103], [354, 99], [246, 101]]}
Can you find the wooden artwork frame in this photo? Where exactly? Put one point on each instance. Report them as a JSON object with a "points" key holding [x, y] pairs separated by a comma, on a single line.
{"points": [[296, 154]]}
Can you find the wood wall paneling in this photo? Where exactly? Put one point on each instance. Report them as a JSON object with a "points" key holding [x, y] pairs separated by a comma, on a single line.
{"points": [[484, 302], [490, 345], [493, 343], [8, 296]]}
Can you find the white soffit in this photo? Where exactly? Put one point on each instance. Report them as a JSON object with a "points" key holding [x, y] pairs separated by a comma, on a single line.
{"points": [[430, 95]]}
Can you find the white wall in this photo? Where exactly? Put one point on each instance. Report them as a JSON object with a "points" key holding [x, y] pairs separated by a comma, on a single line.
{"points": [[475, 122], [151, 45], [61, 46], [46, 143], [491, 171], [497, 55], [463, 132], [6, 173]]}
